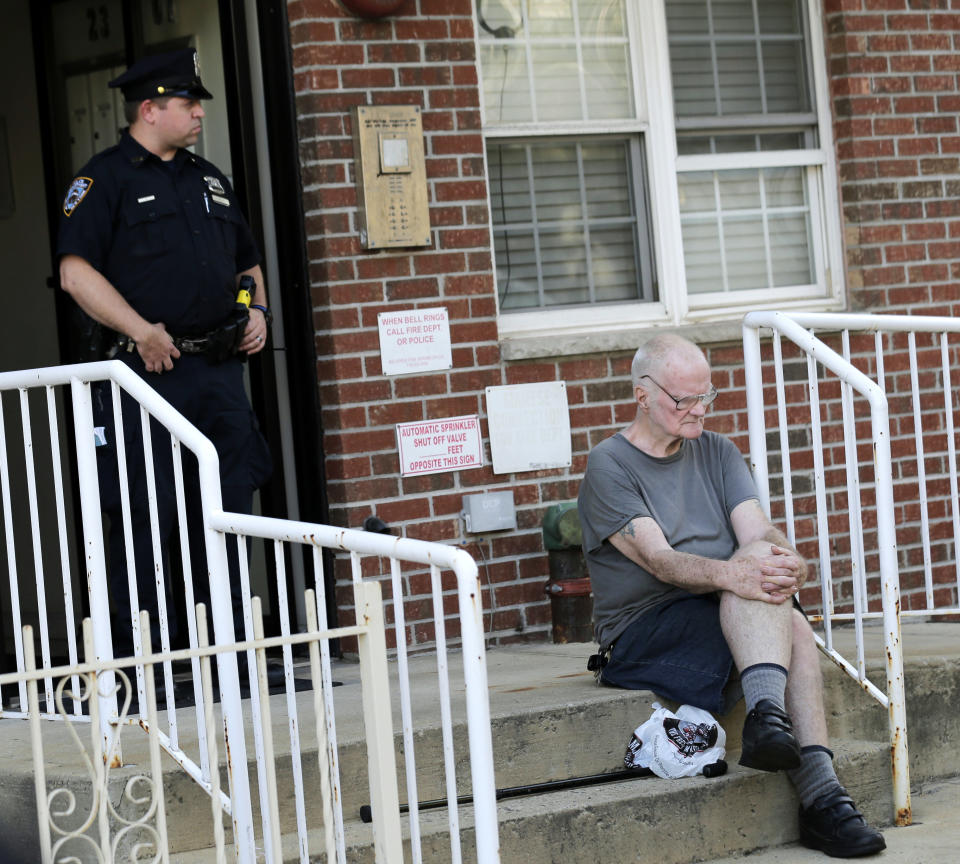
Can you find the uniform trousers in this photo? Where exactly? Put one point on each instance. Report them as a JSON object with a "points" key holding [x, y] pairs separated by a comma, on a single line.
{"points": [[212, 398]]}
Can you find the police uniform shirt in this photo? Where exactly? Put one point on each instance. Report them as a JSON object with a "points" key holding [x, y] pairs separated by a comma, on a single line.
{"points": [[169, 236]]}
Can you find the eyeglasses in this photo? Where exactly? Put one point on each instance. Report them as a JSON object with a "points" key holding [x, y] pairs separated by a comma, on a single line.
{"points": [[685, 403]]}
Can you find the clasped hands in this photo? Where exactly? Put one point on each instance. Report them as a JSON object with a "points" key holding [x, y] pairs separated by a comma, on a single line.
{"points": [[767, 572]]}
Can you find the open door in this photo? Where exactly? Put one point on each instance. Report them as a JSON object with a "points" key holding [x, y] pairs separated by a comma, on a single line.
{"points": [[61, 112]]}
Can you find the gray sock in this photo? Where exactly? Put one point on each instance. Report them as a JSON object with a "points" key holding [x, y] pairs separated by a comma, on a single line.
{"points": [[815, 776], [764, 681]]}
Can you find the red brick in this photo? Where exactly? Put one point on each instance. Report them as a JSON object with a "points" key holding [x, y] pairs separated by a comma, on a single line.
{"points": [[527, 373], [331, 271], [453, 52], [421, 30], [348, 469], [390, 52], [363, 490], [892, 126], [444, 262], [907, 22], [381, 265], [411, 289], [460, 8], [456, 144], [364, 441], [929, 83], [930, 42], [471, 284], [461, 190], [924, 231], [464, 238], [403, 511], [424, 76], [914, 105], [365, 29], [475, 380], [420, 385], [368, 76], [455, 406], [356, 292], [883, 276], [338, 368], [437, 168]]}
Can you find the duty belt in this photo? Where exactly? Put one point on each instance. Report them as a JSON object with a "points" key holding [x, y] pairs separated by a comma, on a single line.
{"points": [[217, 345], [184, 344]]}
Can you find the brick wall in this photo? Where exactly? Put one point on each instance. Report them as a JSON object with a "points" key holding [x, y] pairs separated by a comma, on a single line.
{"points": [[422, 55], [894, 68]]}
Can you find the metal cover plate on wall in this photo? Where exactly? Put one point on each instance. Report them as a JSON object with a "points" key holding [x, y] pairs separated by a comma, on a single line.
{"points": [[391, 176]]}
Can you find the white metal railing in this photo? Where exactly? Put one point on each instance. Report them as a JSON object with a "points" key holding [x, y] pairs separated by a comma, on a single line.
{"points": [[862, 375], [88, 821], [56, 624]]}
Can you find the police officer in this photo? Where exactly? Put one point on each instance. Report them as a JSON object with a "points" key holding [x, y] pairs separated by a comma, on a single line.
{"points": [[152, 245]]}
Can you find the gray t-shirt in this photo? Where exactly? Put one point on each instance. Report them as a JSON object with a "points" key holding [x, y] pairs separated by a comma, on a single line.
{"points": [[690, 495]]}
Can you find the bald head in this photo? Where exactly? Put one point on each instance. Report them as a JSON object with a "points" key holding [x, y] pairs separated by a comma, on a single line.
{"points": [[662, 351]]}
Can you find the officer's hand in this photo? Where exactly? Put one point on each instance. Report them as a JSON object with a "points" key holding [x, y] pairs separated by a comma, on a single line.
{"points": [[255, 334], [156, 348]]}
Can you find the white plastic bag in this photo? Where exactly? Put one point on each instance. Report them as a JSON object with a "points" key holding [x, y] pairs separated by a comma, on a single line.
{"points": [[678, 745]]}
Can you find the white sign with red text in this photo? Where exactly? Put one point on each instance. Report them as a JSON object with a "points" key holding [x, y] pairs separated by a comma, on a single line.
{"points": [[414, 340], [432, 446]]}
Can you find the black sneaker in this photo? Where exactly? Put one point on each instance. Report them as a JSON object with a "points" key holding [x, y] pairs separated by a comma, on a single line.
{"points": [[833, 825], [768, 740]]}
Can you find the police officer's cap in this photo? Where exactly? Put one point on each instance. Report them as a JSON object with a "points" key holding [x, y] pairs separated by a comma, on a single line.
{"points": [[174, 73]]}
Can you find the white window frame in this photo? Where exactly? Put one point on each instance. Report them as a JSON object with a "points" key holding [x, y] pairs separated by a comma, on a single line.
{"points": [[652, 86]]}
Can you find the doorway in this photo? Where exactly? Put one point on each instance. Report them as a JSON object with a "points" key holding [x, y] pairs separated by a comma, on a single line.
{"points": [[55, 119]]}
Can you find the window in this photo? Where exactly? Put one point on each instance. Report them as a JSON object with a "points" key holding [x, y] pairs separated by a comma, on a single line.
{"points": [[655, 161]]}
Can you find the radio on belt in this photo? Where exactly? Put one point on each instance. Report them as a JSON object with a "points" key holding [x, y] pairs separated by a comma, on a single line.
{"points": [[489, 511]]}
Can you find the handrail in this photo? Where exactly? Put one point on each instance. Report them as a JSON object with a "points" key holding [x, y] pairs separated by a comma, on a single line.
{"points": [[793, 327], [217, 525]]}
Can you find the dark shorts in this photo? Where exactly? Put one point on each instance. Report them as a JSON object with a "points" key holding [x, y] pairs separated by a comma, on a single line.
{"points": [[677, 650]]}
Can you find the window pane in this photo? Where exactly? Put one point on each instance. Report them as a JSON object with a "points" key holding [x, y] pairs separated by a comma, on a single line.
{"points": [[506, 85], [517, 272], [781, 16], [579, 61], [605, 170], [701, 254], [613, 252], [786, 91], [783, 187], [551, 17], [608, 88], [743, 247], [738, 78], [746, 229], [602, 18], [556, 75], [790, 250], [557, 183], [729, 58], [689, 143], [567, 229], [510, 185]]}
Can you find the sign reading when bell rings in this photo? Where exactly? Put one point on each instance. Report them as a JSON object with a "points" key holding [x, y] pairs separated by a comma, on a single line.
{"points": [[414, 340], [439, 445]]}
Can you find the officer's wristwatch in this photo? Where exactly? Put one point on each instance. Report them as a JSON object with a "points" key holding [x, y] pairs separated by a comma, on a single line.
{"points": [[267, 314]]}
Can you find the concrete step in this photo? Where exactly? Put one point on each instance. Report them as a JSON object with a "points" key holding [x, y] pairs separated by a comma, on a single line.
{"points": [[561, 725], [550, 721]]}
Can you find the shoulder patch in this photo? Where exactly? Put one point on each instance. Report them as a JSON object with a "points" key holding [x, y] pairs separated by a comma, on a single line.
{"points": [[76, 193]]}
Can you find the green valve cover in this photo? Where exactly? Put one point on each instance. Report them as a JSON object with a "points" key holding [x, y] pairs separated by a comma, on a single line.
{"points": [[561, 526]]}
